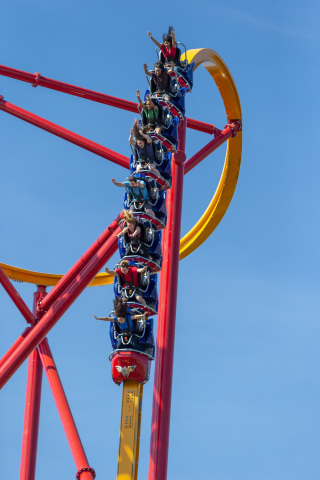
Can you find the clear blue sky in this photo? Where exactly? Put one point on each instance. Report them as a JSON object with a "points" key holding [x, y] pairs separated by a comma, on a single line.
{"points": [[245, 402]]}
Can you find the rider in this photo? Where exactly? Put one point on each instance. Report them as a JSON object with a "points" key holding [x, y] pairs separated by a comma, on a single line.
{"points": [[151, 114], [169, 50], [134, 234], [138, 192], [144, 147], [123, 321], [160, 79], [130, 278]]}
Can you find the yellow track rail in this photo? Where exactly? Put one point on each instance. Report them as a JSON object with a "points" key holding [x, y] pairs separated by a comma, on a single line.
{"points": [[129, 443], [223, 194]]}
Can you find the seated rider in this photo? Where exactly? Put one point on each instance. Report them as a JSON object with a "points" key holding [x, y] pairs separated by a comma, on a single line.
{"points": [[169, 50], [145, 149], [129, 278], [151, 114], [133, 235], [160, 79], [137, 191], [124, 324]]}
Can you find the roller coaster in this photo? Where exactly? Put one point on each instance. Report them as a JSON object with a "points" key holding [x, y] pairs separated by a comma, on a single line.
{"points": [[159, 249]]}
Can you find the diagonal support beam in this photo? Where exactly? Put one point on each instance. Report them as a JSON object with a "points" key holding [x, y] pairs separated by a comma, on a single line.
{"points": [[47, 322], [61, 132], [38, 80], [15, 297], [83, 261], [85, 472], [14, 346], [230, 130]]}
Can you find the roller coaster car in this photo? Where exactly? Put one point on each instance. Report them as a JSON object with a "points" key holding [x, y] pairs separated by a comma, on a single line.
{"points": [[149, 254], [138, 338], [163, 181], [129, 364], [169, 135], [148, 289], [184, 76], [153, 191], [159, 208], [147, 242], [176, 104]]}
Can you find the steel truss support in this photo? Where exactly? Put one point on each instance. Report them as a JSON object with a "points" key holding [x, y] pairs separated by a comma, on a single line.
{"points": [[70, 276], [15, 297], [51, 317], [61, 132], [85, 472], [31, 418], [230, 130], [32, 406], [160, 425]]}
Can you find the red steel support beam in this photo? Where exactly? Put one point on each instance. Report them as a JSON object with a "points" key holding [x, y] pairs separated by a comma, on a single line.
{"points": [[14, 346], [201, 126], [160, 425], [15, 297], [31, 418], [69, 277], [37, 79], [41, 329], [230, 130], [61, 132], [66, 417], [32, 406]]}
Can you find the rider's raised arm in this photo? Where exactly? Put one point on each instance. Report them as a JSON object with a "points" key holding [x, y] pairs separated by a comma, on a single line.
{"points": [[146, 137], [171, 69], [110, 272], [122, 232], [173, 36], [139, 99], [131, 141], [137, 317], [107, 319], [150, 100], [146, 71], [154, 40], [117, 184], [142, 270]]}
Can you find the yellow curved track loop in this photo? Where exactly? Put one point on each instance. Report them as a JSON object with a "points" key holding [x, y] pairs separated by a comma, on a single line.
{"points": [[224, 192], [229, 177]]}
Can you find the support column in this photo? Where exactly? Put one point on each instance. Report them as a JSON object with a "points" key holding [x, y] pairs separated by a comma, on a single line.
{"points": [[85, 472], [160, 425], [32, 406]]}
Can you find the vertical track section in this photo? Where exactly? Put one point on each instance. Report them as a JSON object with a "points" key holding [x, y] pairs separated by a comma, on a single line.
{"points": [[129, 442]]}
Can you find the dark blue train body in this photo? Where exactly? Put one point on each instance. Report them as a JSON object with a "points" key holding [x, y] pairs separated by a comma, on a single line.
{"points": [[148, 250], [158, 201], [140, 340]]}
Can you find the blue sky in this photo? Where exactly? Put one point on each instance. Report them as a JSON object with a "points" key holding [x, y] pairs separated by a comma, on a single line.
{"points": [[246, 393]]}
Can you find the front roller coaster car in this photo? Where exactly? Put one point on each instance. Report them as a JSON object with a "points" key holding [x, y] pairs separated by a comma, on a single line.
{"points": [[139, 338], [130, 365]]}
